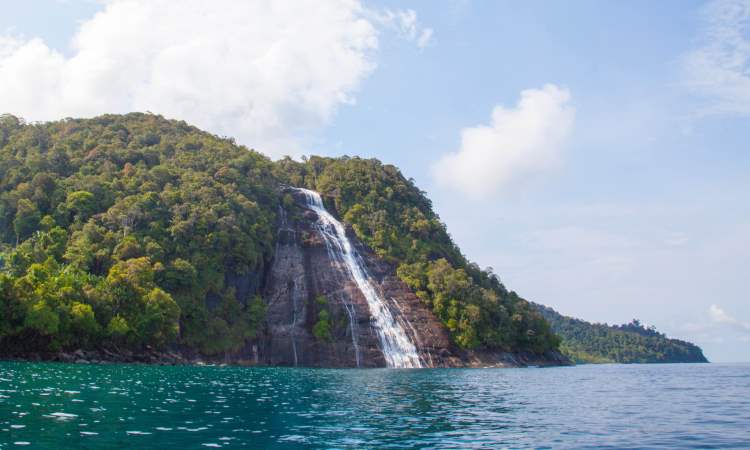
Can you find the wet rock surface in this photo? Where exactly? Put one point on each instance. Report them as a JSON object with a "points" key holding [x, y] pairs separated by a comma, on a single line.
{"points": [[301, 273], [303, 270]]}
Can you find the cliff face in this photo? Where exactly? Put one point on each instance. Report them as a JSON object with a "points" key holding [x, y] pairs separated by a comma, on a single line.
{"points": [[177, 228], [304, 280]]}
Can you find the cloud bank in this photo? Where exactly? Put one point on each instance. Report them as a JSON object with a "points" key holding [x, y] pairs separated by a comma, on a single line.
{"points": [[268, 72], [518, 143], [718, 71]]}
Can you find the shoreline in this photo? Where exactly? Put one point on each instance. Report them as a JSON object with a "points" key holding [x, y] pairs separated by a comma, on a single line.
{"points": [[471, 359]]}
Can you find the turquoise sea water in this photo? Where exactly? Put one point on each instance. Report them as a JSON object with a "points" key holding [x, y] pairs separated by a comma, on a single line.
{"points": [[57, 406]]}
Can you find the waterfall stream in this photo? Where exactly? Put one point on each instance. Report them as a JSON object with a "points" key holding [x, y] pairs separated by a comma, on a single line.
{"points": [[284, 228], [398, 349]]}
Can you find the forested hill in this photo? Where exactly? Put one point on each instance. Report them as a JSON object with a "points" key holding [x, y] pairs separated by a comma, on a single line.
{"points": [[133, 231], [585, 342], [127, 232]]}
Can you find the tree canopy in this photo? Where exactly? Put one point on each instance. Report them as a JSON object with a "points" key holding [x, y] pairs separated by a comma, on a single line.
{"points": [[633, 342], [129, 231], [132, 230]]}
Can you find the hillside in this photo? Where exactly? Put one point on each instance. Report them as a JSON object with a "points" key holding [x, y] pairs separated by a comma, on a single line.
{"points": [[129, 233], [394, 218], [133, 232], [585, 342]]}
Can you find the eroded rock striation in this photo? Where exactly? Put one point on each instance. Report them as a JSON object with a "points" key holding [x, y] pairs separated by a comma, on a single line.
{"points": [[304, 279]]}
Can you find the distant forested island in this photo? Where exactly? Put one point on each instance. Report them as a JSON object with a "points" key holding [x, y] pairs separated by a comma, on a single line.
{"points": [[633, 342], [126, 234]]}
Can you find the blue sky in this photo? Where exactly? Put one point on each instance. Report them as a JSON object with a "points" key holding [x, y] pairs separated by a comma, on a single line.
{"points": [[618, 187]]}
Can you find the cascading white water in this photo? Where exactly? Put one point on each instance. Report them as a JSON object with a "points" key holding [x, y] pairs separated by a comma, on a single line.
{"points": [[398, 349]]}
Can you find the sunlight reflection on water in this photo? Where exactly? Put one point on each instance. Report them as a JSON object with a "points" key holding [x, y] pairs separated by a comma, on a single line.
{"points": [[618, 406]]}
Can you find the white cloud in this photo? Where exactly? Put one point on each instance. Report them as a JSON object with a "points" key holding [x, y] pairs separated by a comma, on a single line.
{"points": [[518, 142], [718, 323], [719, 70], [268, 72], [407, 24], [719, 316], [424, 37]]}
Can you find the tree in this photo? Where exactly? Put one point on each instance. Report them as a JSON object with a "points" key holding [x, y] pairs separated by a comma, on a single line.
{"points": [[118, 328], [136, 275], [81, 204], [27, 219], [42, 319], [160, 322], [83, 323], [125, 205]]}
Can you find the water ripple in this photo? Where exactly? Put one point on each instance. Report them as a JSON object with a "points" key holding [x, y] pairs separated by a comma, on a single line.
{"points": [[612, 406]]}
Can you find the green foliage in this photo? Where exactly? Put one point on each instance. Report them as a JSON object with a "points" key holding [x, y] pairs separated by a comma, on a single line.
{"points": [[586, 342], [128, 231], [395, 219], [118, 328], [132, 231], [159, 323], [322, 328], [83, 320], [41, 318], [27, 218]]}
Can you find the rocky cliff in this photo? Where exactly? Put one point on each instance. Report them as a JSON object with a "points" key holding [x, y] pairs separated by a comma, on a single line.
{"points": [[129, 238], [304, 279]]}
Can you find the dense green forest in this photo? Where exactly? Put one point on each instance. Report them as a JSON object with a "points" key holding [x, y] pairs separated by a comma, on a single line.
{"points": [[126, 231], [585, 342], [135, 231]]}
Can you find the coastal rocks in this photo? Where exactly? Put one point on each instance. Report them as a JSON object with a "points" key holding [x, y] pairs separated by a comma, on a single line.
{"points": [[494, 359], [105, 356]]}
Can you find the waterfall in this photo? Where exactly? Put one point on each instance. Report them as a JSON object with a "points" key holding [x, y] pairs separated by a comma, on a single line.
{"points": [[284, 228], [398, 349]]}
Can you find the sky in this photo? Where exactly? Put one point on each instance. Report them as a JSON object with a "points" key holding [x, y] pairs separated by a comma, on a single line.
{"points": [[593, 153]]}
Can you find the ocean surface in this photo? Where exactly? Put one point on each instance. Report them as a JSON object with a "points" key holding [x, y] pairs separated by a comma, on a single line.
{"points": [[59, 406]]}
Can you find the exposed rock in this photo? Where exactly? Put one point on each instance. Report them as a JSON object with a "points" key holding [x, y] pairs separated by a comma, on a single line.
{"points": [[303, 269]]}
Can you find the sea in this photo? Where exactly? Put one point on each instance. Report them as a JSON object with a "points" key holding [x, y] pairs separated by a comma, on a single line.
{"points": [[667, 406]]}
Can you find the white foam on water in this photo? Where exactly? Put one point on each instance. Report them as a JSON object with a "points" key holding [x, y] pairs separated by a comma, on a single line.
{"points": [[62, 416]]}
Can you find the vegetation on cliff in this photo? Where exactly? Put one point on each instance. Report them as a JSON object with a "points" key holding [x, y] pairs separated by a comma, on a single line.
{"points": [[134, 231], [394, 218], [585, 342]]}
